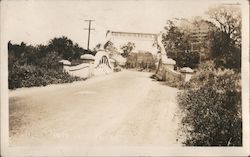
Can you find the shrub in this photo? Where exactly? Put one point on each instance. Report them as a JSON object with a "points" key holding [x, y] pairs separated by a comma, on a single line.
{"points": [[180, 84], [187, 59], [211, 107], [30, 75], [203, 74], [38, 65]]}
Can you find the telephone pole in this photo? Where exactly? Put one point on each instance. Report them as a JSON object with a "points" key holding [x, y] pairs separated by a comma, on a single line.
{"points": [[89, 29]]}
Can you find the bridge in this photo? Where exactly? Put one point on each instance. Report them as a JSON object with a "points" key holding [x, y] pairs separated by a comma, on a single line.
{"points": [[144, 42], [101, 63], [151, 36]]}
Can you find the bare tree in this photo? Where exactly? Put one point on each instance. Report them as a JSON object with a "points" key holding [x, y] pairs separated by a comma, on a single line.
{"points": [[228, 20], [226, 47]]}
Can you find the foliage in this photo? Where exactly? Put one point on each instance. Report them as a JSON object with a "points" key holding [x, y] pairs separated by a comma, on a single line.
{"points": [[211, 107], [218, 39], [39, 65], [65, 48], [187, 59], [228, 20], [174, 83], [173, 40], [141, 60], [226, 41], [30, 75], [225, 54], [211, 100], [178, 46], [127, 48]]}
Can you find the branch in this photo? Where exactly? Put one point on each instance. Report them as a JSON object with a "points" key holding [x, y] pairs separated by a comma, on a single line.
{"points": [[229, 141]]}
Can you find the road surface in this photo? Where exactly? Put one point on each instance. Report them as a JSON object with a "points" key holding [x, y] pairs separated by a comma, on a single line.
{"points": [[121, 109]]}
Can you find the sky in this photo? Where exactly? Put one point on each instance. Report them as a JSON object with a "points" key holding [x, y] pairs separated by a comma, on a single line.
{"points": [[36, 22]]}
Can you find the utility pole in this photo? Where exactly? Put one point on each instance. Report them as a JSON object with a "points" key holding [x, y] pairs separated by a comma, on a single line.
{"points": [[89, 29]]}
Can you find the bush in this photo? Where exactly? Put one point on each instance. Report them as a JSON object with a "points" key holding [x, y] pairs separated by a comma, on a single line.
{"points": [[29, 76], [175, 83], [203, 74], [187, 59], [39, 65], [211, 107]]}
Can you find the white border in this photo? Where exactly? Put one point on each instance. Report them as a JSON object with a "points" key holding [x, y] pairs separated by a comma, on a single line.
{"points": [[127, 151]]}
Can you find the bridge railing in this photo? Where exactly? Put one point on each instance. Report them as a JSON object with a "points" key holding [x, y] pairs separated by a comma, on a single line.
{"points": [[99, 66]]}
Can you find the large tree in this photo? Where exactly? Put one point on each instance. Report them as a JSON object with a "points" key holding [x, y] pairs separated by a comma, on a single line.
{"points": [[226, 48], [228, 20], [65, 48], [62, 45], [177, 42]]}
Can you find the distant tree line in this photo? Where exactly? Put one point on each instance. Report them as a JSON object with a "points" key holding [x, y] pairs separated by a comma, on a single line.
{"points": [[39, 65]]}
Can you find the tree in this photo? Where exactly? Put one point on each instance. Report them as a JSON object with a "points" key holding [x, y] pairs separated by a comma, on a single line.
{"points": [[228, 20], [177, 42], [22, 54], [226, 47], [127, 48], [172, 39], [77, 52], [63, 46], [187, 59]]}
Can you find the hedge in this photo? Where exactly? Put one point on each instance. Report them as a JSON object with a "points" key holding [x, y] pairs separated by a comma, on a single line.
{"points": [[30, 75], [211, 109]]}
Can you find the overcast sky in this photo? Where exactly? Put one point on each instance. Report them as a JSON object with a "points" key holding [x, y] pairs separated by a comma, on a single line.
{"points": [[36, 22]]}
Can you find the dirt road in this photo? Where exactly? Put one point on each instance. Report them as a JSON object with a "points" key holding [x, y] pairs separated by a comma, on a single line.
{"points": [[125, 108]]}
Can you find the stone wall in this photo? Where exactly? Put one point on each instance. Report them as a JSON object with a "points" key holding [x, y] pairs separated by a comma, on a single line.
{"points": [[173, 75]]}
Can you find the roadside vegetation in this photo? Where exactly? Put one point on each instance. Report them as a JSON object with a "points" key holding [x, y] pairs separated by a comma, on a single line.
{"points": [[39, 65], [210, 102], [142, 61], [211, 107]]}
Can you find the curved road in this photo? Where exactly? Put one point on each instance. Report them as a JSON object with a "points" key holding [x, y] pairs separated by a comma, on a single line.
{"points": [[122, 109]]}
